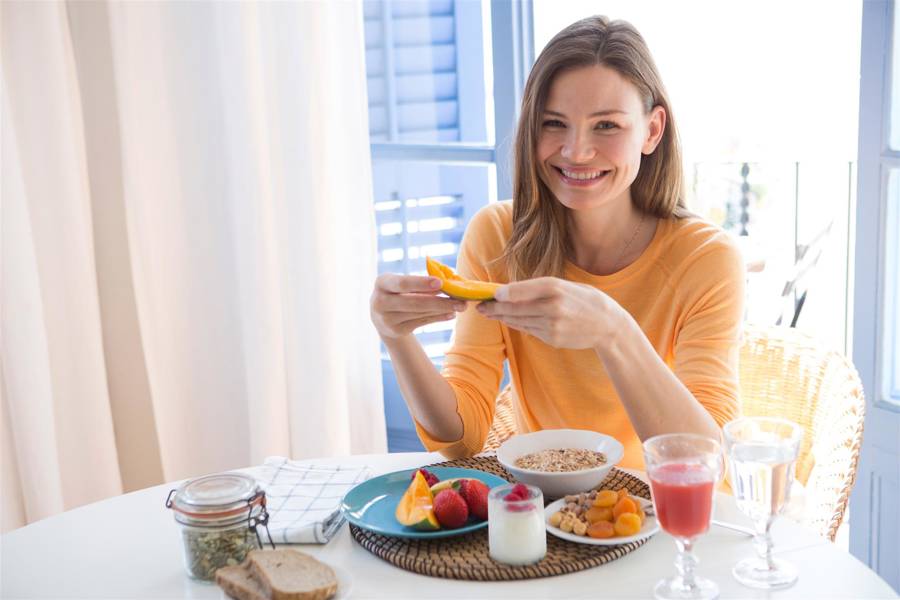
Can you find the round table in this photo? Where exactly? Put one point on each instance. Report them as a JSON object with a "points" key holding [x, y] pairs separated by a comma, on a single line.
{"points": [[129, 547]]}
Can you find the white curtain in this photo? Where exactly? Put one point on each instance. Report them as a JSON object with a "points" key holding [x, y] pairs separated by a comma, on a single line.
{"points": [[188, 244]]}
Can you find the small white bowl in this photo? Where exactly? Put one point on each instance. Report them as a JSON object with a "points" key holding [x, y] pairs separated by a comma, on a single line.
{"points": [[557, 485]]}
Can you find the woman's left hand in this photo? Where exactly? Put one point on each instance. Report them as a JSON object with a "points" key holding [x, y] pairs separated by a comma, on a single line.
{"points": [[560, 313]]}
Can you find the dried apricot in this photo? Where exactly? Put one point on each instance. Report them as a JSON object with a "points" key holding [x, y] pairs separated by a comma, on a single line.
{"points": [[623, 493], [595, 513], [627, 524], [640, 511], [625, 505], [606, 499], [601, 529]]}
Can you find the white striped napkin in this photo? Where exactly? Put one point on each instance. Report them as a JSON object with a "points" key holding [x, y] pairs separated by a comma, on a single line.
{"points": [[304, 499]]}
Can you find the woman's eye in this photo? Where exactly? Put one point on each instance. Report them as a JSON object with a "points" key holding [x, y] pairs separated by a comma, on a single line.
{"points": [[553, 123], [606, 125]]}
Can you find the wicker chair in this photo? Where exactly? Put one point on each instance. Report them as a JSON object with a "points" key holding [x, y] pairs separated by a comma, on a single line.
{"points": [[785, 373]]}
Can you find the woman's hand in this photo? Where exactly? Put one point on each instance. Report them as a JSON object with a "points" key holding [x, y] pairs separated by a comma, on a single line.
{"points": [[560, 313], [402, 303]]}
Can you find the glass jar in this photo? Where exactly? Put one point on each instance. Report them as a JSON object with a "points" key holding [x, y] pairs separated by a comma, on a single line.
{"points": [[517, 534], [219, 515]]}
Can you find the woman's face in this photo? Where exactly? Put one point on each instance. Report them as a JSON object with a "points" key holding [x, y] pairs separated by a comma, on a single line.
{"points": [[592, 135]]}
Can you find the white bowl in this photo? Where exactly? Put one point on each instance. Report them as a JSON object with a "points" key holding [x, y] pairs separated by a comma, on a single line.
{"points": [[557, 485]]}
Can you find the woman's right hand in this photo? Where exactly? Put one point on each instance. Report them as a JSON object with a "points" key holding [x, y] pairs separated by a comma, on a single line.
{"points": [[402, 303]]}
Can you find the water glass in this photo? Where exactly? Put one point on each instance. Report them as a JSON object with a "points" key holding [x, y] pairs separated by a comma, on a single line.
{"points": [[761, 456], [683, 470]]}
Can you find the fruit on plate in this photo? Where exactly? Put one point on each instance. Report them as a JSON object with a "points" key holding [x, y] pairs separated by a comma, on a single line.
{"points": [[430, 477], [450, 509], [456, 287], [475, 493], [456, 484], [416, 507]]}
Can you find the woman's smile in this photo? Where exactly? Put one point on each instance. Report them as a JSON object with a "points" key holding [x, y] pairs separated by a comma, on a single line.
{"points": [[581, 177]]}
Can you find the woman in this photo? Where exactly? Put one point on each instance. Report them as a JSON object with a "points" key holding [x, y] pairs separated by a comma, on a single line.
{"points": [[621, 312]]}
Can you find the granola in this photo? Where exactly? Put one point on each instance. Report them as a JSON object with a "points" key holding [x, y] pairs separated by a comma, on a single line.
{"points": [[561, 460]]}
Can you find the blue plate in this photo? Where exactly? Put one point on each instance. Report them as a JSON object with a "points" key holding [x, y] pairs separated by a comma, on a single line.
{"points": [[372, 504]]}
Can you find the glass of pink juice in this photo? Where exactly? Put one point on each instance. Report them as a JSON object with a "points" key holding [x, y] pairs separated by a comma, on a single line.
{"points": [[683, 470]]}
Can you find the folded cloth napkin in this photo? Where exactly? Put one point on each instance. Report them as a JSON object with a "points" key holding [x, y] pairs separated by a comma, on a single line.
{"points": [[304, 499]]}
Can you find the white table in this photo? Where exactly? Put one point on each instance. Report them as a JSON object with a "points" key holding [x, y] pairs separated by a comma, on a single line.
{"points": [[130, 547]]}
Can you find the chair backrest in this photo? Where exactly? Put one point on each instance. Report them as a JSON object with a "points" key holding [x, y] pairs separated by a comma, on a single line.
{"points": [[784, 373]]}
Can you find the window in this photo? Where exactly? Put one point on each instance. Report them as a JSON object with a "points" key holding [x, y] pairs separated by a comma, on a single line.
{"points": [[433, 119]]}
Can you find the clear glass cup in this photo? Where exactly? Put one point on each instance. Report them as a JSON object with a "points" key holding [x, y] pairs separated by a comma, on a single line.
{"points": [[684, 470], [762, 452], [516, 531]]}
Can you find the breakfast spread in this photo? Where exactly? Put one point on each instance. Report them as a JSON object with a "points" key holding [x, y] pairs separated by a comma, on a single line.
{"points": [[600, 514], [561, 460], [281, 574]]}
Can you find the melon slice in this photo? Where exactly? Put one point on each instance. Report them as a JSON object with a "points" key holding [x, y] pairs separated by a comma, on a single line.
{"points": [[416, 507], [456, 287]]}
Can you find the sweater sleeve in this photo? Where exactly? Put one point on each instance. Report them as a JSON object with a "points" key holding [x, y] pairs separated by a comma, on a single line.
{"points": [[473, 365], [707, 340]]}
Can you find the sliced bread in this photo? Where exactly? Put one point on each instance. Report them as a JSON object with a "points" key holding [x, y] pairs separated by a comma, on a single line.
{"points": [[287, 574], [239, 583]]}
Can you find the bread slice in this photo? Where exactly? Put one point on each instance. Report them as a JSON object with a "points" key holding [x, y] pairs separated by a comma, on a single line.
{"points": [[239, 583], [287, 574]]}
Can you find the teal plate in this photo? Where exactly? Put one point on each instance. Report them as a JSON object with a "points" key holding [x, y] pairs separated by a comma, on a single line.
{"points": [[372, 503]]}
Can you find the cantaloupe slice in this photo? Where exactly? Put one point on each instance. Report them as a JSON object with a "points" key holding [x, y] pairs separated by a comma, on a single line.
{"points": [[456, 287], [416, 507]]}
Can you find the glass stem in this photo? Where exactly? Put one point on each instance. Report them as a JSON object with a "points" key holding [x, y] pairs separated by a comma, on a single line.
{"points": [[763, 542], [686, 561]]}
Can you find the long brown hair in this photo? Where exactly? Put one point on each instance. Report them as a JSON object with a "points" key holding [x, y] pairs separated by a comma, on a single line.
{"points": [[539, 244]]}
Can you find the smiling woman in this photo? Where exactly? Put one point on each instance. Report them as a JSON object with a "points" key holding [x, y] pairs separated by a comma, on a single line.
{"points": [[618, 310]]}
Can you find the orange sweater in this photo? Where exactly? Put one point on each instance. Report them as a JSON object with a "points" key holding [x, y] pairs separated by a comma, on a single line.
{"points": [[685, 291]]}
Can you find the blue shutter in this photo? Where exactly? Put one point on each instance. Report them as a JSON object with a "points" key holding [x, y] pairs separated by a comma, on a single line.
{"points": [[411, 68]]}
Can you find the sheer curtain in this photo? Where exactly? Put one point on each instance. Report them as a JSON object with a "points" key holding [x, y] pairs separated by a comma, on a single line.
{"points": [[188, 244]]}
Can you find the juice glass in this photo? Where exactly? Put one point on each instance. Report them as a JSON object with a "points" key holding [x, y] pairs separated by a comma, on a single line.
{"points": [[683, 469], [761, 456]]}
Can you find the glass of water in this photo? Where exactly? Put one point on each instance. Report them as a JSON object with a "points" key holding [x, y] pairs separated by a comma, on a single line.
{"points": [[761, 456]]}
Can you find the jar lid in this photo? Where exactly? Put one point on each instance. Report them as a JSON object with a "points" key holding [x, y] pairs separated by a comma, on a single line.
{"points": [[216, 496]]}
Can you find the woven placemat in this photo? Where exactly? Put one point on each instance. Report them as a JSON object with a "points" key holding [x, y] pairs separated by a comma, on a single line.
{"points": [[466, 556]]}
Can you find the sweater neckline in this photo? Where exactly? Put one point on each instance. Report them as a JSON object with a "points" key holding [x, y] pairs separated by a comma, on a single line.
{"points": [[649, 254]]}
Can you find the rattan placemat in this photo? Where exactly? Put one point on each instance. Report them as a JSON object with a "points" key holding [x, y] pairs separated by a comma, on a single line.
{"points": [[466, 556]]}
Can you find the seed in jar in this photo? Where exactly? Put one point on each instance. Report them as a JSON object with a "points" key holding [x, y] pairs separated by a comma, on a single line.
{"points": [[561, 460]]}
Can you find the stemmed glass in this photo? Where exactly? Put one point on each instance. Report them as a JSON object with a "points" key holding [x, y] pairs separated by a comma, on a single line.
{"points": [[684, 469], [761, 454]]}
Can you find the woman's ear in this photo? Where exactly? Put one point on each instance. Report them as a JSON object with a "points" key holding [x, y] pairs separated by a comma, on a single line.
{"points": [[656, 126]]}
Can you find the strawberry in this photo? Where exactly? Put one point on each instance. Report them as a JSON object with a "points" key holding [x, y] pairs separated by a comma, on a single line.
{"points": [[450, 509], [520, 489], [475, 494], [430, 478]]}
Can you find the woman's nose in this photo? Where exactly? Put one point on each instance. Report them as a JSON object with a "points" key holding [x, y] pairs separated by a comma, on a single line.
{"points": [[578, 147]]}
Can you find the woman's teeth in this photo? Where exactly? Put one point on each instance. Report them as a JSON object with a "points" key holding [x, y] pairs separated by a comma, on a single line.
{"points": [[583, 176]]}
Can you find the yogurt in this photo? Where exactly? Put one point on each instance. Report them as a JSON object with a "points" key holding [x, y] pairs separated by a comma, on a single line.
{"points": [[516, 531]]}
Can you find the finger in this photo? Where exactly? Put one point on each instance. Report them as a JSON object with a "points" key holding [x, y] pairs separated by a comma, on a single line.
{"points": [[421, 303], [400, 284], [421, 322], [528, 326], [534, 308], [530, 289]]}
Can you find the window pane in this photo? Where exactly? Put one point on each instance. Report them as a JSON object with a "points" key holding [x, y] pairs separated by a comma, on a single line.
{"points": [[895, 77], [428, 71], [892, 287]]}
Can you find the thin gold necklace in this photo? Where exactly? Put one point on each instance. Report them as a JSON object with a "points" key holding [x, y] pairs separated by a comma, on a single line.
{"points": [[628, 243]]}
